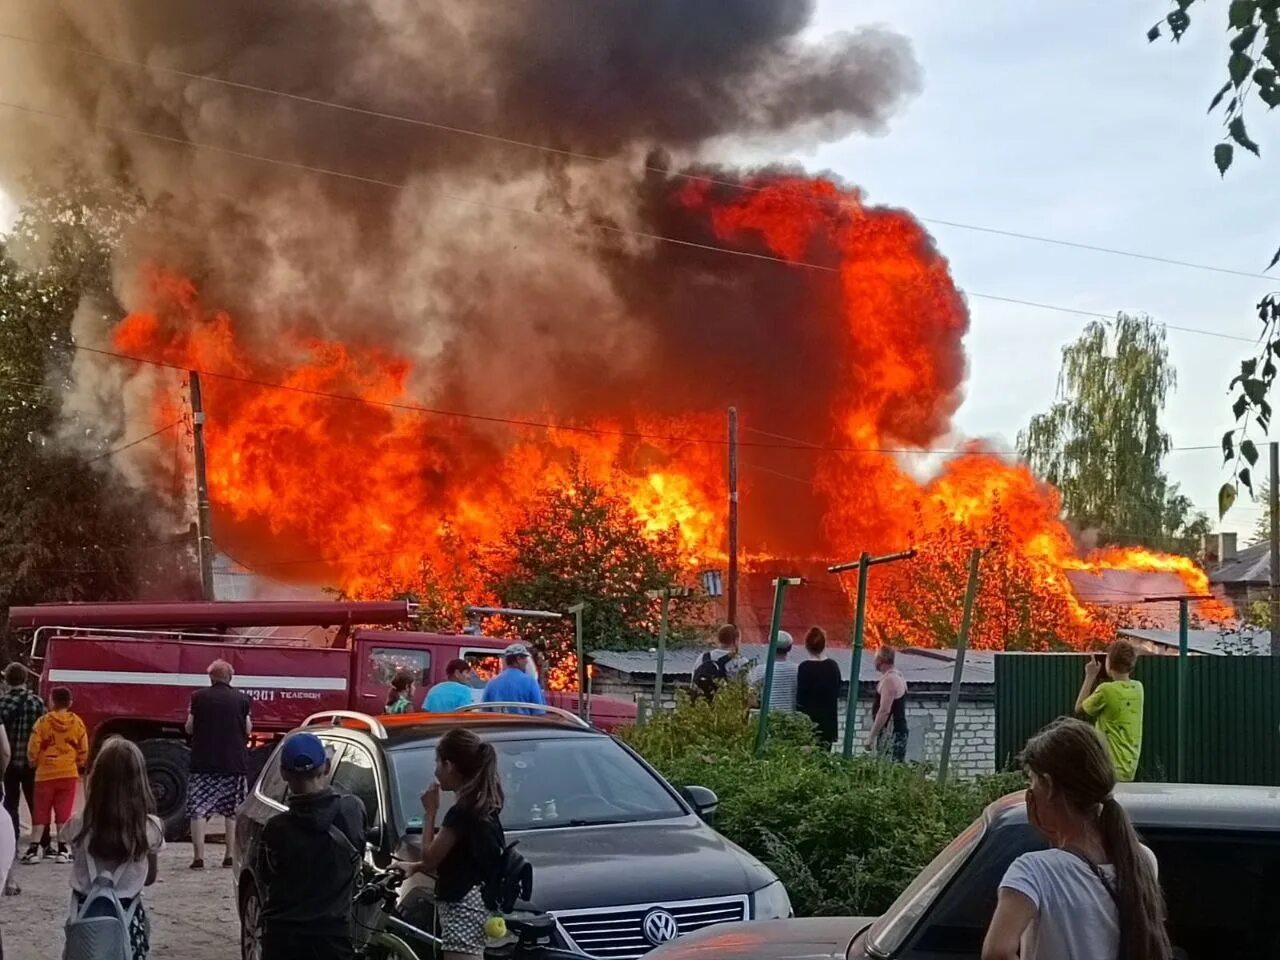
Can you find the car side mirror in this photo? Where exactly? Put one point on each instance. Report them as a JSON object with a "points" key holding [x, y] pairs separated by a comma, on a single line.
{"points": [[379, 848], [704, 801]]}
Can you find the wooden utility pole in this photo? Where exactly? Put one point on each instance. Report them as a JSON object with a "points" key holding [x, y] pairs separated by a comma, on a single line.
{"points": [[1274, 499], [204, 524], [732, 592]]}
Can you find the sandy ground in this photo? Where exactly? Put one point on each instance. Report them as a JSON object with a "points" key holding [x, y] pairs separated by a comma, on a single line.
{"points": [[193, 912]]}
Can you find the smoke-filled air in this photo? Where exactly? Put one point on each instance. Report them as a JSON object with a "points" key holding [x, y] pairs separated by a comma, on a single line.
{"points": [[558, 241]]}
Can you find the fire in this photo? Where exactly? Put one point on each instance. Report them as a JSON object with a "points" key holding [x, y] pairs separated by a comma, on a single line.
{"points": [[372, 492]]}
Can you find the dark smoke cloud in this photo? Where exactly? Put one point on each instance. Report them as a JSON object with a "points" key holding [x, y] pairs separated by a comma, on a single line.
{"points": [[484, 266]]}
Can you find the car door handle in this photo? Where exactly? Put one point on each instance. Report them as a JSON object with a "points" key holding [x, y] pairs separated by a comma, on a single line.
{"points": [[371, 696]]}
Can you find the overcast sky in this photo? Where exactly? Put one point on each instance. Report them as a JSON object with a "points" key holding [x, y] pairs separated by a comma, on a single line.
{"points": [[1061, 120]]}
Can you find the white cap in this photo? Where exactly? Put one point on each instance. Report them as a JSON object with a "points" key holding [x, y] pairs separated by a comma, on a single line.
{"points": [[516, 650]]}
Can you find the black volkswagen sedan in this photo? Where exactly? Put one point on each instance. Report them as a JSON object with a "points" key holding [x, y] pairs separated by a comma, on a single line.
{"points": [[623, 860]]}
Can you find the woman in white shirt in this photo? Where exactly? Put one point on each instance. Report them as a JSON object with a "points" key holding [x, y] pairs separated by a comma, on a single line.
{"points": [[1094, 894]]}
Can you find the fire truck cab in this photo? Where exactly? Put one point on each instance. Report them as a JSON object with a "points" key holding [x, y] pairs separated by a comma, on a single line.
{"points": [[132, 668]]}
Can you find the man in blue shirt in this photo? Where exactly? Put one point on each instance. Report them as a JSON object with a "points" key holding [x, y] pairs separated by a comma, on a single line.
{"points": [[514, 685], [451, 694]]}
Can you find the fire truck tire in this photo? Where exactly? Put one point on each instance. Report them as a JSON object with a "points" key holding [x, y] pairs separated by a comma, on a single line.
{"points": [[167, 764], [258, 757]]}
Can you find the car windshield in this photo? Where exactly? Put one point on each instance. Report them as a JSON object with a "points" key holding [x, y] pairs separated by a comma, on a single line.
{"points": [[888, 933], [554, 782]]}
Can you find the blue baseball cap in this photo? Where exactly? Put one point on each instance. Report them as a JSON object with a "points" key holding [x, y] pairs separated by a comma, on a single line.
{"points": [[302, 753]]}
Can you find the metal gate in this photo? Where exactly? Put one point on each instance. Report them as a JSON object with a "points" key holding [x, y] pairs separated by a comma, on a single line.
{"points": [[1232, 712]]}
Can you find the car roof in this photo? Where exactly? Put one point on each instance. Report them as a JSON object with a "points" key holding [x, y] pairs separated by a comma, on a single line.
{"points": [[1187, 806], [413, 728]]}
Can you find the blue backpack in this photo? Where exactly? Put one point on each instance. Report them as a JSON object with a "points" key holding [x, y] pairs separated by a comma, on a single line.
{"points": [[97, 927]]}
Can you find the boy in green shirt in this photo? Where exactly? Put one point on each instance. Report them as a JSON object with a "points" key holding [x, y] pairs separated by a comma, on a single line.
{"points": [[1115, 707]]}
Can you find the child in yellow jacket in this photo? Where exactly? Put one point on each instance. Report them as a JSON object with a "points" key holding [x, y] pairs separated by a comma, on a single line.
{"points": [[59, 750]]}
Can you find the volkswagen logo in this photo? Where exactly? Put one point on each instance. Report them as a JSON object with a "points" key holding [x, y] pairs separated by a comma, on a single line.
{"points": [[660, 927]]}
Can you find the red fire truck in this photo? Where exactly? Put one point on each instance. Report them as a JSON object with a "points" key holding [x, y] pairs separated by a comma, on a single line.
{"points": [[132, 668]]}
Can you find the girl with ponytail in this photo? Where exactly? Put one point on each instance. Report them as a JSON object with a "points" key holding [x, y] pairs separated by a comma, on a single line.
{"points": [[1094, 895], [468, 845]]}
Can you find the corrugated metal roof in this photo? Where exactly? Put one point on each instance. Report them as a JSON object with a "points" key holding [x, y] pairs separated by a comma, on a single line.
{"points": [[1251, 565], [917, 666], [1213, 642]]}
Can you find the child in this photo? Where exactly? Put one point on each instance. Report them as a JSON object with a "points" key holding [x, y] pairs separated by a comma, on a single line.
{"points": [[468, 847], [400, 697], [1115, 707], [59, 750], [117, 832], [308, 860]]}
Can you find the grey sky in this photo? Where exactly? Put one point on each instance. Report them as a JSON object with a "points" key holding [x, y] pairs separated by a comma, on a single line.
{"points": [[1061, 120]]}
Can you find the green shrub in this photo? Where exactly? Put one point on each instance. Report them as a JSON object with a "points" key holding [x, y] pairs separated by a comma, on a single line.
{"points": [[846, 836]]}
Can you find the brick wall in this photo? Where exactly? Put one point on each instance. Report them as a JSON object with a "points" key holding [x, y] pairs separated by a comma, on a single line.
{"points": [[973, 746]]}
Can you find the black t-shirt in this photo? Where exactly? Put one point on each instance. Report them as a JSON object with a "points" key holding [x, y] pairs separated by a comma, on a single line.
{"points": [[217, 732], [818, 694], [478, 846]]}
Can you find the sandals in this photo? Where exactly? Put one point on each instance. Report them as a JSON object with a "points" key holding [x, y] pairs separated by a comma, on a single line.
{"points": [[196, 865], [226, 861], [11, 889]]}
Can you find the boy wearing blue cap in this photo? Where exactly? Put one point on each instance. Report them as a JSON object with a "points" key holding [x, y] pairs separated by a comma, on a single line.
{"points": [[308, 860]]}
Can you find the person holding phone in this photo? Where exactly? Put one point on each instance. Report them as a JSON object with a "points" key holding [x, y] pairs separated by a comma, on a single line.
{"points": [[1115, 707]]}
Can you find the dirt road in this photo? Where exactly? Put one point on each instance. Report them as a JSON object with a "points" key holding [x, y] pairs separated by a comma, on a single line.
{"points": [[193, 914]]}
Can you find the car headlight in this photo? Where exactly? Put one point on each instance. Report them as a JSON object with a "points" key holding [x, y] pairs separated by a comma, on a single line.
{"points": [[771, 902]]}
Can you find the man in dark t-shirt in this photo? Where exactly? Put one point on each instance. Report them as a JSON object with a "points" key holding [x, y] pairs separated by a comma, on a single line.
{"points": [[219, 725]]}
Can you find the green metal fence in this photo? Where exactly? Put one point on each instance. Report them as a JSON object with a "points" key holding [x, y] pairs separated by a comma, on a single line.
{"points": [[1233, 712]]}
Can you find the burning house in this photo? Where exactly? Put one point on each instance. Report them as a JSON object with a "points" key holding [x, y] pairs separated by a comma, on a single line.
{"points": [[428, 257]]}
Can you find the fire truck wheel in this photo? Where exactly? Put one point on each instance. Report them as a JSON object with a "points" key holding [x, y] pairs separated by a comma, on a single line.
{"points": [[167, 764], [258, 757]]}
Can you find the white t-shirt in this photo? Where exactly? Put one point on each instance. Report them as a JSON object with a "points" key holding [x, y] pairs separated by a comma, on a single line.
{"points": [[131, 879], [782, 695], [1076, 916]]}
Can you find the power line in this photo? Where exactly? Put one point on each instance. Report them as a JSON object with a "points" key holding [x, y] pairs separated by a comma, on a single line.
{"points": [[570, 223], [565, 219], [593, 158]]}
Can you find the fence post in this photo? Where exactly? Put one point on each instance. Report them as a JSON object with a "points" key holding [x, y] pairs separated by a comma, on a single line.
{"points": [[1183, 624], [779, 590], [662, 652], [962, 643]]}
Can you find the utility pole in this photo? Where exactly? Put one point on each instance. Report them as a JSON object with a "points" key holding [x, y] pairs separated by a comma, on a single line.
{"points": [[1274, 499], [775, 624], [962, 644], [664, 629], [864, 564], [732, 601], [204, 524]]}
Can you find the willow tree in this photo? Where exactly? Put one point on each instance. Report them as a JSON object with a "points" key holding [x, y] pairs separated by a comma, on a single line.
{"points": [[1101, 443]]}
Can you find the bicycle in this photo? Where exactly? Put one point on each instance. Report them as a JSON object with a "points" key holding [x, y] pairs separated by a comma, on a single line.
{"points": [[388, 929]]}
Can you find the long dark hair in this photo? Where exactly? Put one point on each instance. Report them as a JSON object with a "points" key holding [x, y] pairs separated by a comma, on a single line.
{"points": [[1073, 758], [477, 762], [117, 802]]}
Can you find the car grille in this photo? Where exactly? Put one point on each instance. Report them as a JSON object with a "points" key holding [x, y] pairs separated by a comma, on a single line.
{"points": [[617, 933]]}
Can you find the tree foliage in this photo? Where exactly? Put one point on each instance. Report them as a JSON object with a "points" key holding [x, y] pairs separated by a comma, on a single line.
{"points": [[68, 529], [1252, 69], [1101, 443], [845, 836], [576, 542]]}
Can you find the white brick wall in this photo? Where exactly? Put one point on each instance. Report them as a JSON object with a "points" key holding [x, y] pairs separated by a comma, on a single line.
{"points": [[973, 746]]}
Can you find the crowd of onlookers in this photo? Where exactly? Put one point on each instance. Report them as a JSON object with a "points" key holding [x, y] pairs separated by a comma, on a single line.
{"points": [[1093, 895], [810, 686]]}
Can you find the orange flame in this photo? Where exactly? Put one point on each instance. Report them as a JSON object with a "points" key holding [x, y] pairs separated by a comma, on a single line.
{"points": [[372, 493]]}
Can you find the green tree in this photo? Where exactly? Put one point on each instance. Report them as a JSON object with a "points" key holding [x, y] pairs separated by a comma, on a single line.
{"points": [[577, 542], [1101, 443], [68, 529], [1252, 70]]}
